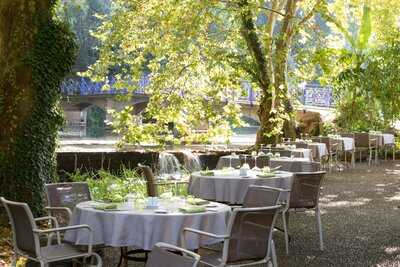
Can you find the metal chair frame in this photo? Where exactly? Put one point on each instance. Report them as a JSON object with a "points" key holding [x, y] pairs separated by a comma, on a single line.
{"points": [[37, 233], [184, 252], [270, 254]]}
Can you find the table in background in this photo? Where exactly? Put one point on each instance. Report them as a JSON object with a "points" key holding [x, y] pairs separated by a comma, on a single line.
{"points": [[230, 187], [295, 164]]}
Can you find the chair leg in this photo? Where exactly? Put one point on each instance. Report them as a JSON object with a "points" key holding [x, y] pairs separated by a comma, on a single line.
{"points": [[394, 152], [370, 157], [376, 155], [319, 225], [273, 254], [98, 259], [285, 230], [14, 260]]}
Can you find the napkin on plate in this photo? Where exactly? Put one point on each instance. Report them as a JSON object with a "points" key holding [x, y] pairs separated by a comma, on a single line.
{"points": [[266, 175], [196, 201], [192, 209], [106, 206]]}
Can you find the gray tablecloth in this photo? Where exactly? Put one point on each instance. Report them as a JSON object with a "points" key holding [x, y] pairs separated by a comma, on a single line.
{"points": [[230, 187], [143, 229], [295, 165], [236, 161]]}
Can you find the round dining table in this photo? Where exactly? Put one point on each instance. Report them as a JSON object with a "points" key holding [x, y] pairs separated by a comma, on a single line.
{"points": [[295, 164], [229, 187], [143, 228]]}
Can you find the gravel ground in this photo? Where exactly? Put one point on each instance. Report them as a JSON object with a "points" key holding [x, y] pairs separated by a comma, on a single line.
{"points": [[361, 222]]}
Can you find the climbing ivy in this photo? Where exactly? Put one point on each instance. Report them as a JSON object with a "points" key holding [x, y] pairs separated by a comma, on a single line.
{"points": [[30, 161]]}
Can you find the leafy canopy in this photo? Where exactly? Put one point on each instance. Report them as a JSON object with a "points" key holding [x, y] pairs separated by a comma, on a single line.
{"points": [[197, 55]]}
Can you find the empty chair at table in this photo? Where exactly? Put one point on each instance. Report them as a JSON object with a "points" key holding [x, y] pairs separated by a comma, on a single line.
{"points": [[63, 197], [261, 196], [333, 147], [151, 184], [248, 240], [300, 144], [366, 142], [304, 196], [26, 236], [167, 255], [154, 186]]}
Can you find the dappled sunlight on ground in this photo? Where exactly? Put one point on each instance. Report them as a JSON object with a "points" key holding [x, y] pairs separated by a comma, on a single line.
{"points": [[360, 217], [345, 203], [396, 197]]}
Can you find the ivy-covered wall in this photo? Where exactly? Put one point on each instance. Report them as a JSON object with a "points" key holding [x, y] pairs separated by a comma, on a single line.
{"points": [[37, 53]]}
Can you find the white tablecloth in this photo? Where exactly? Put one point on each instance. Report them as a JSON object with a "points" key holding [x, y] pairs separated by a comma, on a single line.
{"points": [[229, 186], [319, 149], [302, 152], [143, 229], [388, 139], [348, 143], [295, 164]]}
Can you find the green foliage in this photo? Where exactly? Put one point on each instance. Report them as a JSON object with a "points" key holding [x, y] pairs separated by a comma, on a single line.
{"points": [[197, 55], [361, 68], [109, 187], [82, 16], [105, 186], [31, 163]]}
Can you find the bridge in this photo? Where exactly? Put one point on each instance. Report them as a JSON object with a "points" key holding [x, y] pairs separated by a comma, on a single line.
{"points": [[85, 104]]}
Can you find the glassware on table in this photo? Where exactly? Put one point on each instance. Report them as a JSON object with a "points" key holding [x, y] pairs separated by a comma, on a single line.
{"points": [[233, 155], [255, 156]]}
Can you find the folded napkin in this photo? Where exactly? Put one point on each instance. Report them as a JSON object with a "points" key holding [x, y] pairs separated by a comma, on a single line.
{"points": [[196, 201], [192, 209], [266, 175], [207, 173], [106, 206]]}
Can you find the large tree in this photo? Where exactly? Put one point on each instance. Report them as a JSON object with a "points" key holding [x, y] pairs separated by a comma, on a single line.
{"points": [[199, 54], [36, 52]]}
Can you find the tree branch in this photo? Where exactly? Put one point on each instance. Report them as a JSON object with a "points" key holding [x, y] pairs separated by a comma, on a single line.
{"points": [[272, 10], [310, 14], [248, 31]]}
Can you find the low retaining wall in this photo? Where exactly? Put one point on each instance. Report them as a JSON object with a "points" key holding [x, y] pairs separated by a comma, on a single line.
{"points": [[68, 162]]}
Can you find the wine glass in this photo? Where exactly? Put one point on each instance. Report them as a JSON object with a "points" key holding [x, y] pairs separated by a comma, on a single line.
{"points": [[255, 156]]}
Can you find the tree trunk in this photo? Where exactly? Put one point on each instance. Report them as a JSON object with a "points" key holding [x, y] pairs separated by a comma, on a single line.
{"points": [[35, 54]]}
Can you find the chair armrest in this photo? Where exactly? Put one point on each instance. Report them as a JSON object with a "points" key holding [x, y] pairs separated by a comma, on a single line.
{"points": [[199, 232], [55, 223], [64, 209], [73, 227], [184, 251]]}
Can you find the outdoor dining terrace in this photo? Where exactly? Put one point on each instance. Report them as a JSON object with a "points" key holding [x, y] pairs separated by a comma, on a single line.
{"points": [[328, 193]]}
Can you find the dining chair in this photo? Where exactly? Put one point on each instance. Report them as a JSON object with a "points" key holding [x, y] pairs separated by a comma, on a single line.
{"points": [[63, 197], [261, 196], [26, 237], [304, 196], [247, 242], [333, 147], [366, 142], [151, 185], [167, 255]]}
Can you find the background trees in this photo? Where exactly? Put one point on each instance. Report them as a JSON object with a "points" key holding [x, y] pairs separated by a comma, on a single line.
{"points": [[198, 54], [359, 60], [36, 52]]}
